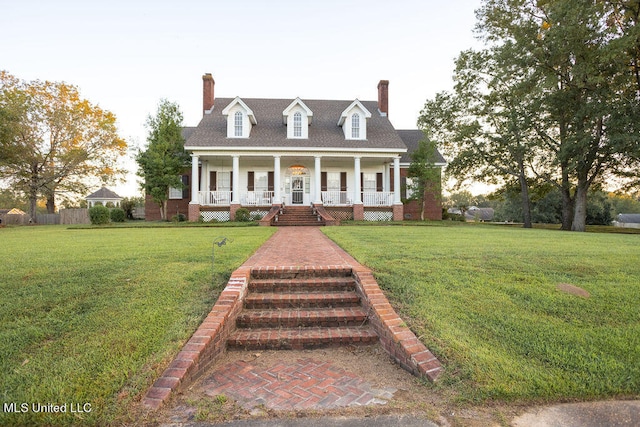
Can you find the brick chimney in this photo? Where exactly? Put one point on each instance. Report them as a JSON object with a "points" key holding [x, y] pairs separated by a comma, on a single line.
{"points": [[207, 92], [383, 97]]}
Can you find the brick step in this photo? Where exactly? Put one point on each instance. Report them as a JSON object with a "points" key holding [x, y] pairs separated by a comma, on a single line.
{"points": [[300, 338], [285, 273], [298, 318], [300, 300], [298, 215], [309, 284]]}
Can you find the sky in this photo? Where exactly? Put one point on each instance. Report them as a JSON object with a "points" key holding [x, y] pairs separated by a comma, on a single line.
{"points": [[127, 55]]}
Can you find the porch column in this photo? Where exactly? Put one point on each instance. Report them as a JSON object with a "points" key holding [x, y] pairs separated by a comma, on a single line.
{"points": [[194, 179], [387, 177], [317, 187], [277, 198], [236, 180], [194, 204], [358, 207], [357, 198], [396, 181]]}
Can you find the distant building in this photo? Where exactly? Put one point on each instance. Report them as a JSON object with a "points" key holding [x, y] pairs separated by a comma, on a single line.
{"points": [[102, 197], [627, 220]]}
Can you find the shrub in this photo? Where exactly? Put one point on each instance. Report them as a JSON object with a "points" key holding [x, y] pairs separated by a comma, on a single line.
{"points": [[179, 218], [243, 215], [117, 215], [99, 215]]}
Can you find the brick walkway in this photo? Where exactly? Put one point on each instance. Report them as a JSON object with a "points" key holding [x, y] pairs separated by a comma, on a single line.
{"points": [[303, 384], [307, 383], [300, 383], [300, 247]]}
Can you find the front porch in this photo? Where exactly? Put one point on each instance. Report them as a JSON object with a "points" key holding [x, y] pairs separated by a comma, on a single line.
{"points": [[352, 186]]}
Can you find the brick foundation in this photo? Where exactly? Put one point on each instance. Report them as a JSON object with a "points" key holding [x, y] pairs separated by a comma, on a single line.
{"points": [[194, 212], [232, 211], [398, 212], [358, 212]]}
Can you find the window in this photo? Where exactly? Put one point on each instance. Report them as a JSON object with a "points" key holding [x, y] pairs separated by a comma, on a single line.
{"points": [[238, 124], [297, 125], [333, 181], [180, 193], [260, 181], [369, 182], [355, 126], [224, 181]]}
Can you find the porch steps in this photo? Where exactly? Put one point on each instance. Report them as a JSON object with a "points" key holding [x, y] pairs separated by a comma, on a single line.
{"points": [[316, 308], [297, 216]]}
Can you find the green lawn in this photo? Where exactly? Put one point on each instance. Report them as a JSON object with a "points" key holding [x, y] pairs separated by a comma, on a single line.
{"points": [[93, 316], [484, 299]]}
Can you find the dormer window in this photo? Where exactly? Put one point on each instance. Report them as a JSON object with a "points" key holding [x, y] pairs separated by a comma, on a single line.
{"points": [[297, 125], [240, 119], [355, 126], [297, 117], [353, 121], [238, 124]]}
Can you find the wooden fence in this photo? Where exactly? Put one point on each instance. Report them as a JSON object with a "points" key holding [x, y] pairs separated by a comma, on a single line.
{"points": [[12, 219], [74, 216], [48, 219]]}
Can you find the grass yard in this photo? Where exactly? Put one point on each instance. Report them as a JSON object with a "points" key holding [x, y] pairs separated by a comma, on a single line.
{"points": [[93, 316], [484, 299]]}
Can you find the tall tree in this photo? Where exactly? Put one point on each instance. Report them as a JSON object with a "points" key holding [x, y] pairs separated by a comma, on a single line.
{"points": [[569, 111], [58, 141], [425, 177], [164, 159], [483, 126]]}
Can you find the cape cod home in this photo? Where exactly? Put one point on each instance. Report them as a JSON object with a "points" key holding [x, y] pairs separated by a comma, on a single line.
{"points": [[334, 160]]}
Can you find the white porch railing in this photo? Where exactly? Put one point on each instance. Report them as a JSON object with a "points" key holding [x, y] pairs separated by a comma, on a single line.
{"points": [[343, 198], [336, 198], [214, 198], [256, 198], [378, 198]]}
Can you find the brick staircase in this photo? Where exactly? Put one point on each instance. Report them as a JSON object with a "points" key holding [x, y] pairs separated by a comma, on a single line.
{"points": [[301, 309], [297, 215]]}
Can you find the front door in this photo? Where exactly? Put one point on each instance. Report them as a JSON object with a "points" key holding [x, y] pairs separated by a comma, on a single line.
{"points": [[297, 190]]}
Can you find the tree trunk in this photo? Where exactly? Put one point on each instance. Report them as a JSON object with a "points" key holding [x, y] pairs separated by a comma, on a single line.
{"points": [[526, 202], [51, 203], [567, 201], [580, 207], [163, 210]]}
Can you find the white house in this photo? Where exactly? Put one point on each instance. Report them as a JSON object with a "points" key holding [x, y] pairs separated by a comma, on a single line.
{"points": [[341, 158]]}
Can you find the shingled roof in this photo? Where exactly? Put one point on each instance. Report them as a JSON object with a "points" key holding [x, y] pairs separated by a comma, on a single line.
{"points": [[270, 132], [411, 139], [104, 193]]}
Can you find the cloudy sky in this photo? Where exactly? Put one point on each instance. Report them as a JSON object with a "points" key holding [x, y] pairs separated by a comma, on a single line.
{"points": [[126, 55]]}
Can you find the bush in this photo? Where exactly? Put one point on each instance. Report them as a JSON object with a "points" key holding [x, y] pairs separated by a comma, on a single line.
{"points": [[99, 215], [243, 215], [179, 218], [117, 215]]}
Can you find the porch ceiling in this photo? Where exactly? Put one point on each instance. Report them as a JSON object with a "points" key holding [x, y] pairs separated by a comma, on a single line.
{"points": [[292, 159]]}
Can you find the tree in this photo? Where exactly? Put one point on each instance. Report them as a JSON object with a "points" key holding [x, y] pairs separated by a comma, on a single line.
{"points": [[164, 159], [483, 126], [425, 177], [555, 97], [56, 140]]}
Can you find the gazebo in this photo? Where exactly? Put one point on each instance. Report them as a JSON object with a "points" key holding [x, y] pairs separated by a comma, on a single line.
{"points": [[102, 197]]}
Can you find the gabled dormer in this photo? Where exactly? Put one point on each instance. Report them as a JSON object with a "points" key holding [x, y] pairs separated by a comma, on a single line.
{"points": [[297, 117], [240, 119], [353, 121]]}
